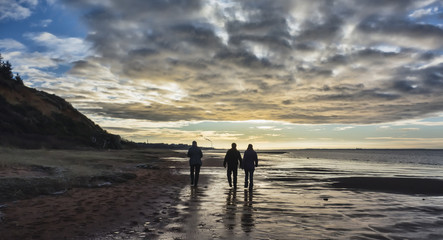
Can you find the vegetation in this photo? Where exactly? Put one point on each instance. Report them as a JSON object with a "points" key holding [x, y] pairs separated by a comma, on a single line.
{"points": [[35, 119], [6, 72], [28, 173]]}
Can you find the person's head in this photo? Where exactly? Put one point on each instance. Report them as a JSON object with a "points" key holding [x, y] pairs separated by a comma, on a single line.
{"points": [[234, 145], [250, 147], [194, 143]]}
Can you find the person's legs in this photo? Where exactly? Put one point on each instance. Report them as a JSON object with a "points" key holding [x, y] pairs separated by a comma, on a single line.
{"points": [[197, 174], [235, 176], [192, 174], [246, 178], [251, 179], [229, 176]]}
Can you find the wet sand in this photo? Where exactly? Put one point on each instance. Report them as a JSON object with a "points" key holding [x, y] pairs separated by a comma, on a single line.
{"points": [[89, 213], [160, 204], [392, 184], [96, 212], [310, 206]]}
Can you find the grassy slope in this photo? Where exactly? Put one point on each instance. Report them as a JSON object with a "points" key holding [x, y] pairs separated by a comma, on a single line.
{"points": [[36, 119]]}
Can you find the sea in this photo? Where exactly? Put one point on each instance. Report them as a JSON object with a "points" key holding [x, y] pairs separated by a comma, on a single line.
{"points": [[294, 197]]}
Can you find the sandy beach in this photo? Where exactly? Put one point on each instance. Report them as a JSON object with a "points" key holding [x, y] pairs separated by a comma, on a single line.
{"points": [[95, 212], [85, 213], [308, 199]]}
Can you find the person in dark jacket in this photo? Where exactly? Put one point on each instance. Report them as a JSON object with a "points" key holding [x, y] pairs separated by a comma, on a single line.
{"points": [[250, 161], [195, 161], [233, 159]]}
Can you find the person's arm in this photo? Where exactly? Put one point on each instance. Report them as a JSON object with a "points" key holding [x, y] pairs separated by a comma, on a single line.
{"points": [[240, 159], [201, 153], [256, 160], [224, 162]]}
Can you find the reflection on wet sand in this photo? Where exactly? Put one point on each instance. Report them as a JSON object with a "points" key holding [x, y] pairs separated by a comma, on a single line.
{"points": [[194, 191], [231, 209], [194, 219], [247, 217]]}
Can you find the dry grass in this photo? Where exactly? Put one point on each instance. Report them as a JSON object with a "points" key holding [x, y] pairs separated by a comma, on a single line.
{"points": [[55, 170], [80, 162], [71, 162]]}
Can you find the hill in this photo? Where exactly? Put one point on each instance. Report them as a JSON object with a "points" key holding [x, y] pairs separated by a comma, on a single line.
{"points": [[35, 119]]}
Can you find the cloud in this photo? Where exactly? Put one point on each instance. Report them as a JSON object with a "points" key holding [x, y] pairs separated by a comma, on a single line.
{"points": [[40, 68], [419, 13], [153, 132], [407, 139], [354, 62], [11, 44], [431, 121], [342, 128], [64, 48], [30, 60], [43, 23], [265, 127], [402, 32], [409, 129], [16, 10]]}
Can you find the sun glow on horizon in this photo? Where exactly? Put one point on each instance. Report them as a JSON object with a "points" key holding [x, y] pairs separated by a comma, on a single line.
{"points": [[278, 135]]}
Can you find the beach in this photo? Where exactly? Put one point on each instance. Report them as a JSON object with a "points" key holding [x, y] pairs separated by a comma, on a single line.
{"points": [[94, 211], [308, 195], [296, 195]]}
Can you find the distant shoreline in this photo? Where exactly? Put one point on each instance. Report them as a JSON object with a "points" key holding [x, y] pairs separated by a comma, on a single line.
{"points": [[349, 149], [282, 151]]}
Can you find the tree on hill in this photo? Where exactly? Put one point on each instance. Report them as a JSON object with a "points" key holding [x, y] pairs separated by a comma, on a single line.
{"points": [[6, 72], [18, 78]]}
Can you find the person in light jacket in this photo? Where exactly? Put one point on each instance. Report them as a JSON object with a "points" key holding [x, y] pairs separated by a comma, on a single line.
{"points": [[195, 161], [250, 161]]}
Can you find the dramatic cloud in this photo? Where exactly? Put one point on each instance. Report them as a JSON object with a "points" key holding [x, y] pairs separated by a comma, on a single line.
{"points": [[67, 49], [40, 68], [331, 61]]}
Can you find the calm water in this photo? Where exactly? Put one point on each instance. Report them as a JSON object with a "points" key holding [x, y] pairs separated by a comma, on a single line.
{"points": [[292, 198]]}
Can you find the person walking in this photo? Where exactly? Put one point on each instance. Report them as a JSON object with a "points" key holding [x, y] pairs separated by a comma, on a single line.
{"points": [[195, 161], [233, 160], [250, 162]]}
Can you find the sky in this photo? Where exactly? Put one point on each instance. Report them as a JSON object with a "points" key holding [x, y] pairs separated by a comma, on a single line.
{"points": [[276, 74]]}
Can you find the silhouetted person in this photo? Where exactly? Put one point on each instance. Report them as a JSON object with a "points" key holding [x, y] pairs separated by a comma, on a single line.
{"points": [[250, 161], [233, 159], [195, 161]]}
